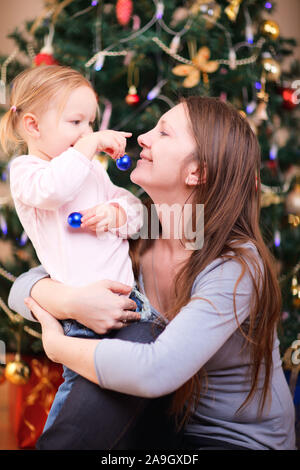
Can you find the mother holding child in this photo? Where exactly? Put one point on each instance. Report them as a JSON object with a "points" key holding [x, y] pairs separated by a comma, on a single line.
{"points": [[183, 353]]}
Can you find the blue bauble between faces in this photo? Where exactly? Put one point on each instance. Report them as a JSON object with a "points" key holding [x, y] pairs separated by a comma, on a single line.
{"points": [[74, 219], [124, 163]]}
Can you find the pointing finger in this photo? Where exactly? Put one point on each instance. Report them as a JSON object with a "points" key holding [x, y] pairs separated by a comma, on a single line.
{"points": [[126, 134]]}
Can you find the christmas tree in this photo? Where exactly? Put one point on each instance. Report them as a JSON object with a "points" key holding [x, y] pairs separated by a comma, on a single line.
{"points": [[141, 57]]}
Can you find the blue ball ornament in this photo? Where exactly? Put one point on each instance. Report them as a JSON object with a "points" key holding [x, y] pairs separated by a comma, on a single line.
{"points": [[74, 219], [123, 163]]}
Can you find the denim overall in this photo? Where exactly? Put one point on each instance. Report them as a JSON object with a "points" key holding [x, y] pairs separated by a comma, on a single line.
{"points": [[77, 330]]}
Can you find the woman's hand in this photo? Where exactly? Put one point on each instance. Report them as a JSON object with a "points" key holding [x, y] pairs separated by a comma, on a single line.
{"points": [[99, 307], [51, 328]]}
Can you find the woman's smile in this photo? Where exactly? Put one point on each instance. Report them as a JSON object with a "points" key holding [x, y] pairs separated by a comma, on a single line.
{"points": [[144, 159]]}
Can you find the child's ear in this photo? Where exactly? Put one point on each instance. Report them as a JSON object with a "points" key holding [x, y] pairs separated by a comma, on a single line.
{"points": [[31, 125]]}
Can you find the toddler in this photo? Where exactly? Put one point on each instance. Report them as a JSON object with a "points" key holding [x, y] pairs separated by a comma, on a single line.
{"points": [[52, 112]]}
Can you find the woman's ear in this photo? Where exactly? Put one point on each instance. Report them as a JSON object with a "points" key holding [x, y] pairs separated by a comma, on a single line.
{"points": [[194, 178], [31, 125]]}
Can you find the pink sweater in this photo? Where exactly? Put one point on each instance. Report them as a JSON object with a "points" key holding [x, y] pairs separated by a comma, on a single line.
{"points": [[45, 193]]}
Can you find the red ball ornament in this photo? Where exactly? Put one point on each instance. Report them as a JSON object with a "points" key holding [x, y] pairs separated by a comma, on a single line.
{"points": [[45, 57], [132, 98], [273, 166], [289, 97], [124, 11]]}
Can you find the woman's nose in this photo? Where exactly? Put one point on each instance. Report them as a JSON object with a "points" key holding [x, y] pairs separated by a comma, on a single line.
{"points": [[144, 140]]}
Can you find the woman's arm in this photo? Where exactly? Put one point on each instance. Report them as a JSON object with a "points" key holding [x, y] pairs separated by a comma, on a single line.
{"points": [[21, 289], [54, 296], [97, 306], [187, 343]]}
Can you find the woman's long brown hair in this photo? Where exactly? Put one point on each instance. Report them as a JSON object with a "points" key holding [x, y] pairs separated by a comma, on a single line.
{"points": [[229, 151]]}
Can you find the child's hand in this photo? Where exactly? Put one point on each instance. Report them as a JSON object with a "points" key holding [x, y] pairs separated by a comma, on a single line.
{"points": [[102, 217], [112, 142]]}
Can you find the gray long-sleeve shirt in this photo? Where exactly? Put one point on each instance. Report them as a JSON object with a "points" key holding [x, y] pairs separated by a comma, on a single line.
{"points": [[204, 333]]}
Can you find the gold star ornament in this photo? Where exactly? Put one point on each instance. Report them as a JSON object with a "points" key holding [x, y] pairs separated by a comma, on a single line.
{"points": [[201, 63]]}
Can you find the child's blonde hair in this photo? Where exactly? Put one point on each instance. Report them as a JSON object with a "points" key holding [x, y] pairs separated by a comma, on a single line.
{"points": [[31, 92]]}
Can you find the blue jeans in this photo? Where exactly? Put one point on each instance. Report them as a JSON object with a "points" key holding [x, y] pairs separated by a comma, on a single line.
{"points": [[95, 418], [77, 330]]}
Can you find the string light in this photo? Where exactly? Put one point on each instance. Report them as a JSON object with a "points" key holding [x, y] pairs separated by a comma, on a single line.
{"points": [[23, 239], [250, 107], [156, 90], [249, 29], [3, 76], [3, 225], [273, 152], [99, 63], [4, 176], [277, 238], [159, 10], [175, 44], [249, 34]]}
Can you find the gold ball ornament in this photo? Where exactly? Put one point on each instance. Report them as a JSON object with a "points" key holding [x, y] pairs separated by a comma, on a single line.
{"points": [[292, 203], [270, 29], [296, 301], [271, 68], [17, 372]]}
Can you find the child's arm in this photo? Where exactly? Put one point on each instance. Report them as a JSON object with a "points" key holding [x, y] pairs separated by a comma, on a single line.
{"points": [[49, 186]]}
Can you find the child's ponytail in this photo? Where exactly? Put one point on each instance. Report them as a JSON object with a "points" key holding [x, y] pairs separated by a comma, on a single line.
{"points": [[9, 136]]}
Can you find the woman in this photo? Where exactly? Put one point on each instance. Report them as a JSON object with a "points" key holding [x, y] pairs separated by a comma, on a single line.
{"points": [[217, 360]]}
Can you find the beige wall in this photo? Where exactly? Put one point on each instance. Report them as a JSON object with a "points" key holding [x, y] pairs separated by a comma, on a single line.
{"points": [[15, 12], [287, 16]]}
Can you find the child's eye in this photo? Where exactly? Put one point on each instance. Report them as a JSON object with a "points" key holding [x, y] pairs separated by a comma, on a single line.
{"points": [[162, 133], [76, 122]]}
